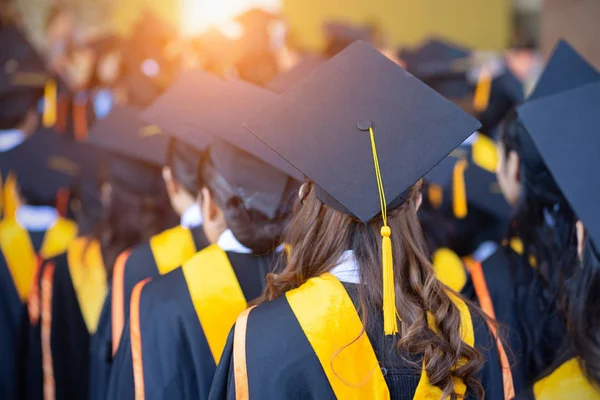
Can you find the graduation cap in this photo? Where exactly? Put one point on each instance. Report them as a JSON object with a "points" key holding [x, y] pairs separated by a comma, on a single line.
{"points": [[47, 162], [566, 69], [138, 150], [574, 161], [434, 58], [207, 107], [289, 78], [364, 131], [340, 34], [23, 76]]}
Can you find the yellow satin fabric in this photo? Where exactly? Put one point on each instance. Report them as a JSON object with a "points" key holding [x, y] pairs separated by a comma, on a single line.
{"points": [[216, 294], [332, 325], [449, 269], [88, 276], [172, 248], [565, 383], [484, 153], [333, 328], [10, 197], [20, 256]]}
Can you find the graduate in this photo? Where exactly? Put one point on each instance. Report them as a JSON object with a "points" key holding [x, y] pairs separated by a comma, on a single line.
{"points": [[74, 285], [22, 83], [517, 284], [353, 313], [166, 250], [573, 373], [46, 164], [179, 322]]}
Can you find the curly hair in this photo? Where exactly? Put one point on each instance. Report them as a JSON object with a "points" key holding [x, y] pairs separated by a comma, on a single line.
{"points": [[317, 237]]}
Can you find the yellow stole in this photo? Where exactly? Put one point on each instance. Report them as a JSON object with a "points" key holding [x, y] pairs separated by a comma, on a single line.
{"points": [[9, 198], [216, 294], [20, 256], [334, 329], [172, 248], [566, 382], [88, 276]]}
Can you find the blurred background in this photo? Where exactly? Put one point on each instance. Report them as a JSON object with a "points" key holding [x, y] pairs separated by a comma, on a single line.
{"points": [[235, 36]]}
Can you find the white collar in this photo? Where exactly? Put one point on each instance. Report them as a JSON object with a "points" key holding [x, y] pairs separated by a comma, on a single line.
{"points": [[347, 269], [10, 138], [228, 242], [192, 217], [36, 218]]}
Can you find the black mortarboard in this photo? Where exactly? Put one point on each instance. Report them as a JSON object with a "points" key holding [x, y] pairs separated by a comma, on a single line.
{"points": [[21, 65], [22, 77], [480, 185], [208, 107], [47, 162], [137, 150], [340, 34], [289, 78], [566, 69], [364, 131], [124, 133], [321, 126], [434, 57], [565, 130]]}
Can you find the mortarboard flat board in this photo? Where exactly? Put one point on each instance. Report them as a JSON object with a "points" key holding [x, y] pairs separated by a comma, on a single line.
{"points": [[47, 162], [122, 132], [564, 128], [434, 57], [203, 102], [289, 78], [566, 69], [21, 65], [321, 126]]}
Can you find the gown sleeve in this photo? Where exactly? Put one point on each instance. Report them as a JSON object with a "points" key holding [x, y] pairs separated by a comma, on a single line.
{"points": [[121, 383], [490, 375], [223, 386]]}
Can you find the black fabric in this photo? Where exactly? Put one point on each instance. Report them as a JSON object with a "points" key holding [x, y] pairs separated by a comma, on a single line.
{"points": [[177, 360], [14, 329], [509, 281], [101, 354], [326, 120], [281, 363], [69, 341]]}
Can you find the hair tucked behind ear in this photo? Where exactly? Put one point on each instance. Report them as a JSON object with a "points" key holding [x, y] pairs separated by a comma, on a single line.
{"points": [[183, 160], [583, 312], [251, 227], [318, 235]]}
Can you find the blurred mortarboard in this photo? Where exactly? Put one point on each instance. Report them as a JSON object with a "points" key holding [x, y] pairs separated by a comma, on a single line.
{"points": [[340, 34], [22, 77], [137, 150], [21, 65], [435, 57], [565, 130], [124, 133], [47, 162], [209, 108], [566, 69], [459, 178], [289, 78], [321, 126]]}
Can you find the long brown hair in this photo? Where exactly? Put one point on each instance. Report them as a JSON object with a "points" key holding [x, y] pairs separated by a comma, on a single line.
{"points": [[317, 237]]}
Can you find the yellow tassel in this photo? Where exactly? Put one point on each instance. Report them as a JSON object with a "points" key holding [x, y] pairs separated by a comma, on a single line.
{"points": [[49, 115], [459, 190], [11, 197], [481, 98], [484, 153], [390, 323], [435, 193]]}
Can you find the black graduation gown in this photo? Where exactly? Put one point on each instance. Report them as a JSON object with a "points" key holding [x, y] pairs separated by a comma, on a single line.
{"points": [[282, 364], [163, 253], [176, 357], [72, 290], [509, 281], [14, 321]]}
